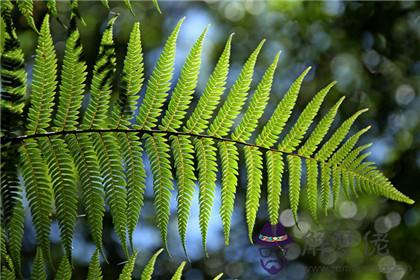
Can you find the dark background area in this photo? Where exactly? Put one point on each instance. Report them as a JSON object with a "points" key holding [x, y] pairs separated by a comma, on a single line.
{"points": [[370, 48]]}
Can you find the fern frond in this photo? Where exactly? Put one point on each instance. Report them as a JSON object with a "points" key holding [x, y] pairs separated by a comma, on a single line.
{"points": [[94, 271], [43, 82], [159, 83], [295, 135], [312, 188], [96, 114], [295, 170], [336, 184], [128, 5], [26, 8], [351, 157], [64, 270], [38, 191], [72, 87], [13, 74], [149, 268], [132, 152], [158, 150], [275, 167], [38, 266], [328, 148], [207, 172], [178, 273], [257, 105], [87, 166], [15, 232], [63, 178], [12, 209], [183, 150], [109, 158], [156, 4], [218, 276], [254, 165], [320, 131], [208, 101], [325, 186], [128, 268], [52, 7], [105, 3], [229, 158], [347, 147], [274, 126], [131, 81], [7, 273], [184, 89], [236, 97]]}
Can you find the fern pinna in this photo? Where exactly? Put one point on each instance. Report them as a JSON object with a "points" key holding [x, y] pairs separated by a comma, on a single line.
{"points": [[101, 149]]}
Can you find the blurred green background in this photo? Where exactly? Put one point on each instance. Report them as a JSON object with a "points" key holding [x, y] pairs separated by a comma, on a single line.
{"points": [[370, 48]]}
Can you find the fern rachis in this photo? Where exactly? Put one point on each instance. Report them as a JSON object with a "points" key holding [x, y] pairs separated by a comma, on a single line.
{"points": [[104, 150]]}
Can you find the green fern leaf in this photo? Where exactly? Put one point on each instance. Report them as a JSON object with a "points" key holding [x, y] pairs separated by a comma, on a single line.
{"points": [[295, 170], [12, 209], [218, 276], [96, 114], [26, 8], [178, 273], [236, 98], [229, 159], [38, 192], [52, 7], [72, 88], [131, 81], [274, 126], [325, 186], [105, 3], [184, 89], [208, 101], [131, 150], [87, 166], [43, 82], [64, 270], [6, 273], [254, 165], [15, 232], [148, 269], [128, 5], [158, 150], [156, 4], [13, 74], [109, 158], [63, 178], [312, 188], [320, 131], [336, 184], [136, 178], [275, 167], [295, 135], [94, 271], [183, 151], [159, 83], [351, 157], [347, 147], [207, 172], [257, 105], [38, 267], [128, 268], [328, 148]]}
